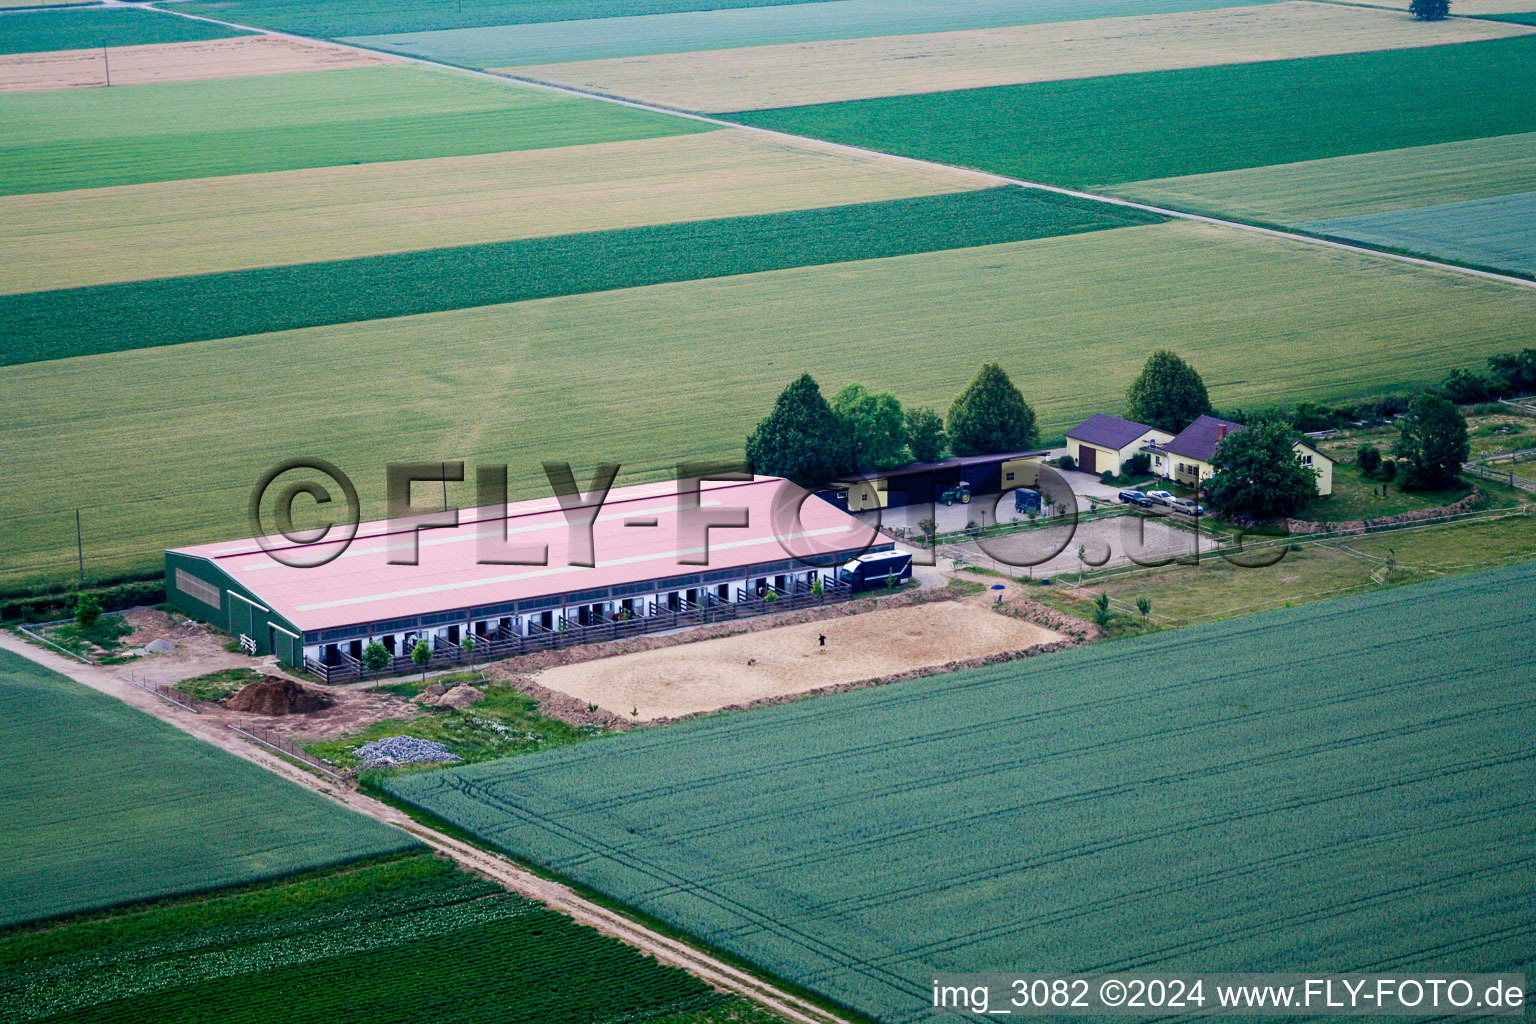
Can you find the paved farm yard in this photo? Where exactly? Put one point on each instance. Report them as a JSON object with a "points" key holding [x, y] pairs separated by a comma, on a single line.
{"points": [[713, 674], [1344, 786]]}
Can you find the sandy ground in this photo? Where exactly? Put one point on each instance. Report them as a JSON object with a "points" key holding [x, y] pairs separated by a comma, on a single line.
{"points": [[174, 62], [714, 674], [792, 74]]}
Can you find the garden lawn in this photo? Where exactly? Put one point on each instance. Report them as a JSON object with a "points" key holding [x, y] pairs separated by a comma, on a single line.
{"points": [[1498, 233], [505, 43], [1166, 123], [166, 229], [89, 138], [1283, 792], [102, 805], [791, 74], [411, 938], [1350, 186], [651, 376], [101, 26], [106, 318]]}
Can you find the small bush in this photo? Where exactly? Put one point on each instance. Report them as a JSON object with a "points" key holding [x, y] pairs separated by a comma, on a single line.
{"points": [[1368, 458], [87, 610], [1067, 462]]}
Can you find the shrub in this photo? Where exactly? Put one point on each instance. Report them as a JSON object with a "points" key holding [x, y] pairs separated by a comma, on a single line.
{"points": [[1067, 462], [87, 610], [1139, 465], [1465, 387], [1368, 458]]}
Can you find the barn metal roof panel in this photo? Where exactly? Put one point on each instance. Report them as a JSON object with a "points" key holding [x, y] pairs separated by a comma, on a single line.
{"points": [[638, 535]]}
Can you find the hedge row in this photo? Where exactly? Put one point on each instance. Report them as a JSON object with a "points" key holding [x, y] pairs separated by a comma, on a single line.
{"points": [[46, 607]]}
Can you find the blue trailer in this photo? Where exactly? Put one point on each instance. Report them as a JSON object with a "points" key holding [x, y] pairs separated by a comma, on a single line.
{"points": [[1026, 501], [883, 569]]}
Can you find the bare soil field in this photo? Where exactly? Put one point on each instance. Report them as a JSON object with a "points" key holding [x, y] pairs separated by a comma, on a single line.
{"points": [[794, 74], [737, 670], [131, 232], [239, 57]]}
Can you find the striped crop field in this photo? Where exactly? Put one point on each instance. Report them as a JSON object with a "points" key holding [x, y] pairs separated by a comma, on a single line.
{"points": [[351, 17], [102, 805], [506, 43], [804, 73], [207, 225], [1351, 186], [174, 62], [1498, 233], [81, 28], [410, 938], [91, 138], [649, 376], [171, 311], [1282, 792], [1166, 123]]}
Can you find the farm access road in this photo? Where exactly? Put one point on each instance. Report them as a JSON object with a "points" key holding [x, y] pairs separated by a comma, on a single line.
{"points": [[1097, 197], [552, 894]]}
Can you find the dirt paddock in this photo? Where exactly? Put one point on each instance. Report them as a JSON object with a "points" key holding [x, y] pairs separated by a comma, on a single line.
{"points": [[713, 674]]}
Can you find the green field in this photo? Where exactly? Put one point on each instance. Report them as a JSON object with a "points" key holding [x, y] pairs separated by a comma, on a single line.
{"points": [[1167, 123], [506, 44], [107, 318], [350, 17], [412, 938], [1498, 233], [160, 447], [102, 805], [89, 138], [1351, 186], [1282, 792], [93, 28]]}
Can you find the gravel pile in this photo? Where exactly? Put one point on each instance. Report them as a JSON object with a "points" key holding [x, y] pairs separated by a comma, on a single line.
{"points": [[406, 750]]}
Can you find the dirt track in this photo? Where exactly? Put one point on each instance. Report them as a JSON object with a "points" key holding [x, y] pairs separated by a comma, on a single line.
{"points": [[554, 895], [174, 62], [733, 670]]}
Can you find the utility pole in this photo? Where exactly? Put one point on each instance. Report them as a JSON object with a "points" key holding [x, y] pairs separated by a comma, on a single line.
{"points": [[79, 548], [105, 63], [444, 466]]}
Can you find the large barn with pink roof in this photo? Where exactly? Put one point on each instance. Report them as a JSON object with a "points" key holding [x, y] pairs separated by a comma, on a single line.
{"points": [[659, 559]]}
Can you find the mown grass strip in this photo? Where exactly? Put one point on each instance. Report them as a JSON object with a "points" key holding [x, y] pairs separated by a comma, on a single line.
{"points": [[116, 26], [143, 314], [1167, 123], [1526, 18], [368, 17], [89, 138]]}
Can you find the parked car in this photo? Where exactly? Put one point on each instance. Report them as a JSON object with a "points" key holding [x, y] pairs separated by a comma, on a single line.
{"points": [[1187, 507], [1162, 498], [1135, 498]]}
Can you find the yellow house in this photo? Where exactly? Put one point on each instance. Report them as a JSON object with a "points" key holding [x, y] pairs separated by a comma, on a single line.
{"points": [[1186, 459], [1103, 444]]}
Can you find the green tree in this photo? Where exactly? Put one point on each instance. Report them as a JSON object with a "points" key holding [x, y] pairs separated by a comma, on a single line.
{"points": [[1430, 10], [1432, 444], [1368, 458], [991, 416], [87, 610], [421, 654], [1101, 611], [1258, 474], [468, 646], [1144, 606], [874, 426], [1464, 387], [1514, 373], [1168, 395], [926, 440], [375, 656], [801, 439]]}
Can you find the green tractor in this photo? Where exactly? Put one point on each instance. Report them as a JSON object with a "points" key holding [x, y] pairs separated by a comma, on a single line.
{"points": [[958, 492]]}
